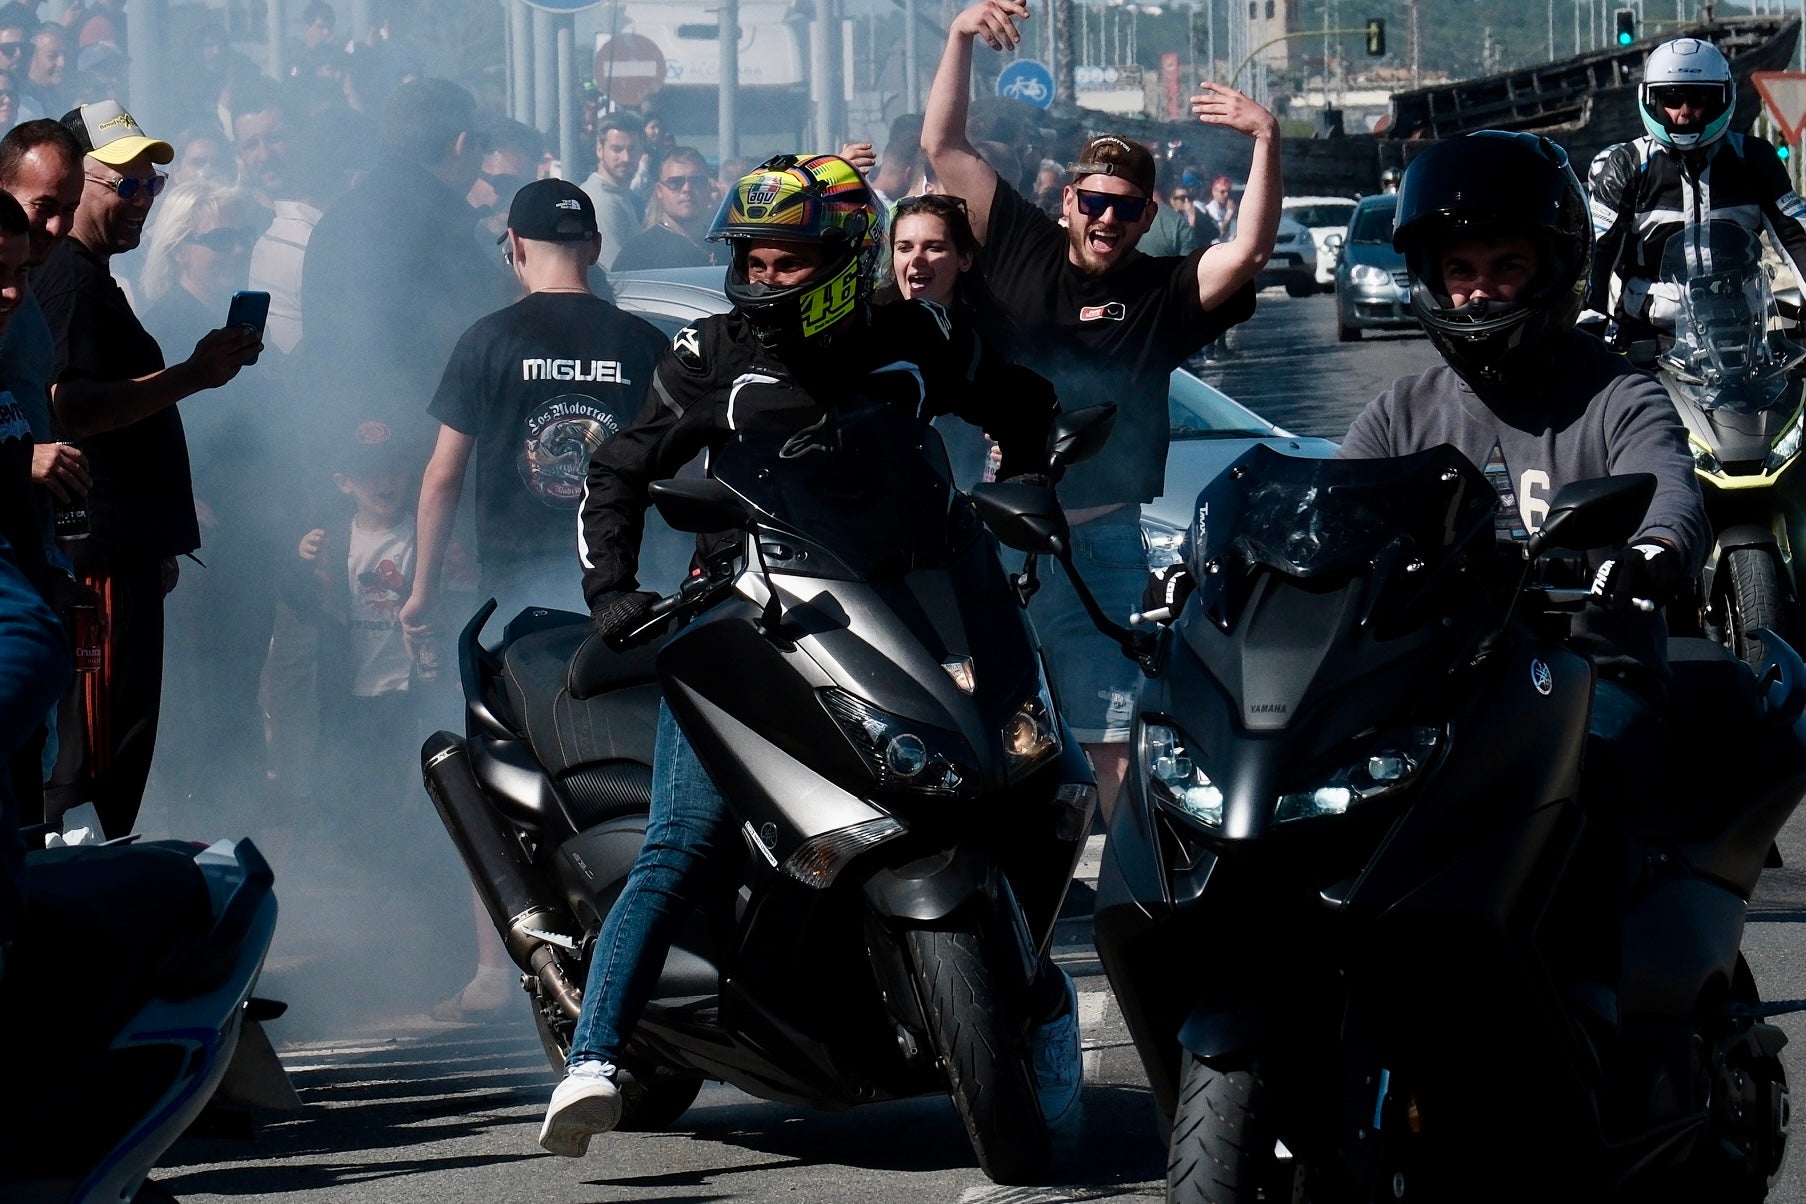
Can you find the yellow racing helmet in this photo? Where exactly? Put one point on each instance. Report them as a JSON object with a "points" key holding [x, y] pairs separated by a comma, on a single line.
{"points": [[820, 200]]}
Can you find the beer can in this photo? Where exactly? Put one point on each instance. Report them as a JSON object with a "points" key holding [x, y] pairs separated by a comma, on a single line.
{"points": [[72, 520], [426, 657], [87, 631]]}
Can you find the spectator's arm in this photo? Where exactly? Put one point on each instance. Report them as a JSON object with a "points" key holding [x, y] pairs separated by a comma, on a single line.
{"points": [[958, 167], [84, 406], [1227, 266], [440, 488]]}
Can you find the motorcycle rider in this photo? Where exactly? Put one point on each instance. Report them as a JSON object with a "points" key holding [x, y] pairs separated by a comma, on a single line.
{"points": [[800, 345], [1494, 230], [1690, 168]]}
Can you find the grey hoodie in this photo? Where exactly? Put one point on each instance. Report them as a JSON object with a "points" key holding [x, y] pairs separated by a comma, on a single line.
{"points": [[1594, 415]]}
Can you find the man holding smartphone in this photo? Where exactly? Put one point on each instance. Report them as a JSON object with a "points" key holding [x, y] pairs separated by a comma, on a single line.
{"points": [[114, 397]]}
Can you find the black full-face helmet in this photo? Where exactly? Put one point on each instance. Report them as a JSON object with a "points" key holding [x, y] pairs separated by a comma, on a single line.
{"points": [[1485, 186]]}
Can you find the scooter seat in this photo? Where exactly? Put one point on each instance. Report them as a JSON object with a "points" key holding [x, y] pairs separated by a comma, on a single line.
{"points": [[569, 730]]}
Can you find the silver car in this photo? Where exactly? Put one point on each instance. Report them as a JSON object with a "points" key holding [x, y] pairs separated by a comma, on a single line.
{"points": [[1373, 291], [1209, 429]]}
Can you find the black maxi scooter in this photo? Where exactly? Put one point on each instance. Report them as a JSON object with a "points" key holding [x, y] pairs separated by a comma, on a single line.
{"points": [[859, 678], [1354, 903]]}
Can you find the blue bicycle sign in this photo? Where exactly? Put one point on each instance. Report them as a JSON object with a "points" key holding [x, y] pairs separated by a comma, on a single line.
{"points": [[1028, 81]]}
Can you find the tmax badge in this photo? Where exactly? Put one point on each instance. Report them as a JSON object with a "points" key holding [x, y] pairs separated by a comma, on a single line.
{"points": [[1541, 678]]}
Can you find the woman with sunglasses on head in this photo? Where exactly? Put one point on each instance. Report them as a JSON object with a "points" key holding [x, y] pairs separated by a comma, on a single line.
{"points": [[677, 218], [1690, 163], [932, 250], [197, 253]]}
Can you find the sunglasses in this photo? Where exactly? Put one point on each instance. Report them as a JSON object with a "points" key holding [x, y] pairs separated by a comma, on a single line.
{"points": [[1700, 96], [1179, 198], [1094, 204], [11, 48], [128, 187], [678, 183], [223, 240]]}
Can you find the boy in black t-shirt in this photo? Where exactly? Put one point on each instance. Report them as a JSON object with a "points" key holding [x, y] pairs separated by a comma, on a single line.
{"points": [[1105, 323], [529, 393]]}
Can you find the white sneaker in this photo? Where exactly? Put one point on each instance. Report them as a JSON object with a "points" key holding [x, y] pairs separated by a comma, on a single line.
{"points": [[1059, 1069], [586, 1102]]}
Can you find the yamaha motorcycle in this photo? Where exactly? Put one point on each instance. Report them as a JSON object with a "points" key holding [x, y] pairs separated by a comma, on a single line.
{"points": [[1356, 905], [1733, 375], [134, 1015], [857, 674]]}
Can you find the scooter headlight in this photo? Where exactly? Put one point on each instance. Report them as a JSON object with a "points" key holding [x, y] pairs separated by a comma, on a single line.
{"points": [[1394, 763], [1175, 778], [1032, 734], [902, 754], [1787, 446]]}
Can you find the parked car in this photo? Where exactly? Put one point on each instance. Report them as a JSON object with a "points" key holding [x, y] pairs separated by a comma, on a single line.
{"points": [[1209, 428], [1294, 259], [1373, 291], [1327, 218]]}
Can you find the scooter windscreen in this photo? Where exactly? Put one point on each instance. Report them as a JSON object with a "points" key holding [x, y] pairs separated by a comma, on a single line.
{"points": [[1727, 352], [1402, 520], [865, 491]]}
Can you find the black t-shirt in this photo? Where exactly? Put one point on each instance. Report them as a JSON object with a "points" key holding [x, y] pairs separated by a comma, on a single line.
{"points": [[1114, 337], [142, 505], [539, 386], [661, 247]]}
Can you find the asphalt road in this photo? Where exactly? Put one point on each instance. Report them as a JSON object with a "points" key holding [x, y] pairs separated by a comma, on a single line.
{"points": [[376, 929]]}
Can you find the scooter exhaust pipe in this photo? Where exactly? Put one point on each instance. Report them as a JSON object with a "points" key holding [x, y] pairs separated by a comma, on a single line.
{"points": [[522, 910]]}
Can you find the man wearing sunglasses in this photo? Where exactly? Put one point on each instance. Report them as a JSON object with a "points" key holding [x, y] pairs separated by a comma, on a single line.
{"points": [[112, 395], [1105, 323], [1688, 169], [677, 219]]}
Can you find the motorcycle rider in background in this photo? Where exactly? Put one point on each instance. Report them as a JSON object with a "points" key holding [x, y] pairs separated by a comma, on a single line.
{"points": [[1494, 230], [800, 343], [1690, 168]]}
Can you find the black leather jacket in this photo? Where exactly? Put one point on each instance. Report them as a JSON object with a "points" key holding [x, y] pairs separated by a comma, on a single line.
{"points": [[717, 380]]}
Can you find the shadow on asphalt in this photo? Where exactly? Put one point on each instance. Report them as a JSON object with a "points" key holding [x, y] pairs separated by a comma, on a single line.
{"points": [[376, 1116]]}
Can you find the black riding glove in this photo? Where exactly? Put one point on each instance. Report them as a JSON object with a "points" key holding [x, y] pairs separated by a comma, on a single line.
{"points": [[1644, 576], [620, 611], [1168, 587]]}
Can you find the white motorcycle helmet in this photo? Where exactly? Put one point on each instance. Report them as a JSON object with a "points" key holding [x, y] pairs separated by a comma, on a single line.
{"points": [[1687, 69]]}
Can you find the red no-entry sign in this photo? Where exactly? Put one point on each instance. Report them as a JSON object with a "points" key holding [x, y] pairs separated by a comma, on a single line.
{"points": [[629, 68]]}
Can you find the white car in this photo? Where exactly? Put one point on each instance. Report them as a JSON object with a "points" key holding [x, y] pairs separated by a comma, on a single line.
{"points": [[1326, 217]]}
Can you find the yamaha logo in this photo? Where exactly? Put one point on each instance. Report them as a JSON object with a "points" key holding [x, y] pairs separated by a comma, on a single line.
{"points": [[1542, 678]]}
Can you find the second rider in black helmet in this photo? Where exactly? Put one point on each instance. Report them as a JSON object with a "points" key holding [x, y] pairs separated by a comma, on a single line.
{"points": [[1495, 233]]}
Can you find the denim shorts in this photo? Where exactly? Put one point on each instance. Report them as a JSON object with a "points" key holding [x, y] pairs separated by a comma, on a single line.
{"points": [[1093, 682]]}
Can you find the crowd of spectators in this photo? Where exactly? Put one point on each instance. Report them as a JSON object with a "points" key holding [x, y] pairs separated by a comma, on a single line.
{"points": [[250, 550]]}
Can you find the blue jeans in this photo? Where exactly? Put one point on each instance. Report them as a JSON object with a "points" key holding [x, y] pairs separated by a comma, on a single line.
{"points": [[687, 833]]}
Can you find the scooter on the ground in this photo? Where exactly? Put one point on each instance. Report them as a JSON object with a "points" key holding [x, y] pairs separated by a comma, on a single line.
{"points": [[859, 678], [128, 1007], [1732, 369], [1355, 903]]}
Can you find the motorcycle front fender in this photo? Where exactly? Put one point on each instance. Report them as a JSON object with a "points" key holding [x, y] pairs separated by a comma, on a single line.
{"points": [[930, 889], [1228, 1037]]}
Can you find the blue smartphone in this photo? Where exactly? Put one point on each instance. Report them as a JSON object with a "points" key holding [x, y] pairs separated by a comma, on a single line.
{"points": [[249, 308]]}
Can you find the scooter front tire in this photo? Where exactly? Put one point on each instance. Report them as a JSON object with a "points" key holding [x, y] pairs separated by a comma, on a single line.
{"points": [[981, 1036]]}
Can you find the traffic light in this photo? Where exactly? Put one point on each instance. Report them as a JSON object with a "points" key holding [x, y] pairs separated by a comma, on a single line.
{"points": [[1376, 36], [1783, 153], [1627, 26]]}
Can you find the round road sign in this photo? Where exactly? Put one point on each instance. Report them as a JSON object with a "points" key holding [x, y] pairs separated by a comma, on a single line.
{"points": [[563, 6], [629, 68]]}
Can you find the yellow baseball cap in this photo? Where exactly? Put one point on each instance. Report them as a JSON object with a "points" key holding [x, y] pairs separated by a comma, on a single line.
{"points": [[108, 132]]}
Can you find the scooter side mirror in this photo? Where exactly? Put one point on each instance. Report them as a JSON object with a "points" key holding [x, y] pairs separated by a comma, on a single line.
{"points": [[1025, 517], [1597, 513], [698, 505], [1078, 435]]}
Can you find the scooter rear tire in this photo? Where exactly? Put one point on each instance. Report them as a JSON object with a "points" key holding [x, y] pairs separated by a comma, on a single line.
{"points": [[981, 1036]]}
